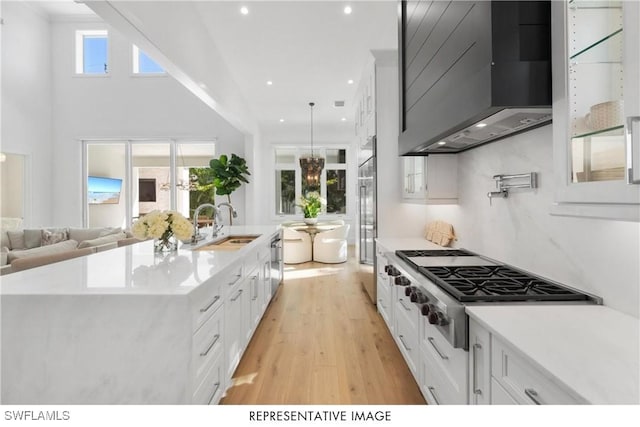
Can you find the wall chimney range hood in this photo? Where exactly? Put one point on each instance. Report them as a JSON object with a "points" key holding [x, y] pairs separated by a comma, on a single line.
{"points": [[472, 72]]}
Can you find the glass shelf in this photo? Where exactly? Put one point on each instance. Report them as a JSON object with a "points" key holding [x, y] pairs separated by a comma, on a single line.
{"points": [[614, 131], [594, 4], [601, 43]]}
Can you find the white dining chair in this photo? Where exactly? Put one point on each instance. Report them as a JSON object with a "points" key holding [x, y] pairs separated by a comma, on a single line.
{"points": [[331, 246], [296, 247]]}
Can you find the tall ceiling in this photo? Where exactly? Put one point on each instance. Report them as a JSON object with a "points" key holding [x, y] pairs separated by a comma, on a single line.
{"points": [[309, 50]]}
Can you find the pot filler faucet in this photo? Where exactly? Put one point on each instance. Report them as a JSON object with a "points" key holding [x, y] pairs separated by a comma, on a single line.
{"points": [[217, 219]]}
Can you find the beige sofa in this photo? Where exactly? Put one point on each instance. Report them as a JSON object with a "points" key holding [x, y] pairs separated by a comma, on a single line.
{"points": [[46, 245]]}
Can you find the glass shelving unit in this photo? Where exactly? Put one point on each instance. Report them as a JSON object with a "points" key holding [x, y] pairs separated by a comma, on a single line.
{"points": [[595, 90]]}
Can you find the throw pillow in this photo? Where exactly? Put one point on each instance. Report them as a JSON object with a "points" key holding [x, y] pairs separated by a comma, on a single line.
{"points": [[16, 238], [109, 231], [55, 236], [32, 238]]}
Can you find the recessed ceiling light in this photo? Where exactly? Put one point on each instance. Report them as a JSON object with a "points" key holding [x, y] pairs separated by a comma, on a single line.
{"points": [[349, 82], [244, 10], [344, 119], [481, 125], [269, 82], [442, 142], [281, 120], [347, 10]]}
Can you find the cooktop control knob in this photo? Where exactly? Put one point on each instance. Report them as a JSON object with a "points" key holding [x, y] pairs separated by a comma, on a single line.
{"points": [[409, 290], [418, 297], [391, 270], [402, 281], [437, 318], [427, 308]]}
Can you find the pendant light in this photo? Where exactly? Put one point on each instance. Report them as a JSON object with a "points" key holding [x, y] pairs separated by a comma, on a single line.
{"points": [[312, 165]]}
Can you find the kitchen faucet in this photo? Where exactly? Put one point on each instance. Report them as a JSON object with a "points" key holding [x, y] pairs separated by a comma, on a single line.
{"points": [[234, 213], [217, 219]]}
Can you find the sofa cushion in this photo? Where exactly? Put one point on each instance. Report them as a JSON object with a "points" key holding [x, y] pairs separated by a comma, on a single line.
{"points": [[16, 238], [32, 238], [82, 234], [67, 245], [5, 242], [52, 236], [111, 238]]}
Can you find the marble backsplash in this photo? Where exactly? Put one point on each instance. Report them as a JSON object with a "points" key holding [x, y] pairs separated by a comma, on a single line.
{"points": [[595, 255]]}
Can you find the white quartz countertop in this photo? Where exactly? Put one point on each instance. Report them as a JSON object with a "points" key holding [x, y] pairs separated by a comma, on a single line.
{"points": [[408, 243], [592, 349], [134, 269]]}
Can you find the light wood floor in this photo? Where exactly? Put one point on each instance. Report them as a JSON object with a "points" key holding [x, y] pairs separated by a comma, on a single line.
{"points": [[321, 341]]}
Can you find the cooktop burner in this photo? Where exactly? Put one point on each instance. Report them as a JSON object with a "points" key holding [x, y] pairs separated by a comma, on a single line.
{"points": [[497, 283]]}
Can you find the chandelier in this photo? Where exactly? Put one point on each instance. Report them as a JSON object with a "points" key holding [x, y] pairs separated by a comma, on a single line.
{"points": [[181, 184], [312, 165]]}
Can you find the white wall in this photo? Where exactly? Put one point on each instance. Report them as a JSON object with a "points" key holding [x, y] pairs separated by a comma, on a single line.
{"points": [[595, 255], [26, 103], [12, 186], [116, 106]]}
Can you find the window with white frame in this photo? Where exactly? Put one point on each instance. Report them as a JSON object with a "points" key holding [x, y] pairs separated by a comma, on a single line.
{"points": [[290, 183], [92, 56], [143, 64]]}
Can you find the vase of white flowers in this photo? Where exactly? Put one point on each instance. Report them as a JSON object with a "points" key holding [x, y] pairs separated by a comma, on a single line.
{"points": [[165, 227]]}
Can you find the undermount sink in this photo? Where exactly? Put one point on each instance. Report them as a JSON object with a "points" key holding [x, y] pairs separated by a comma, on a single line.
{"points": [[229, 243]]}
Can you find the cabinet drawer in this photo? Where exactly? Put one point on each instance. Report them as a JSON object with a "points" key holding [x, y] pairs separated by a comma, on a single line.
{"points": [[436, 388], [451, 362], [404, 307], [231, 279], [524, 382], [206, 300], [499, 396], [407, 340], [207, 344], [210, 390]]}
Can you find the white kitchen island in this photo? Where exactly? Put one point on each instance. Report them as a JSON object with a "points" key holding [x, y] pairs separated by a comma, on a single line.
{"points": [[127, 326]]}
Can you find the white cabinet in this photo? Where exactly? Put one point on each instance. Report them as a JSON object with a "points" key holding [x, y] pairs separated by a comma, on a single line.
{"points": [[406, 320], [365, 104], [479, 365], [207, 361], [384, 287], [234, 336], [432, 179], [596, 112], [444, 373], [500, 374]]}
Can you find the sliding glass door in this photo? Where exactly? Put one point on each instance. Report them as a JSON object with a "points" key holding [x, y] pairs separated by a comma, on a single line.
{"points": [[126, 179]]}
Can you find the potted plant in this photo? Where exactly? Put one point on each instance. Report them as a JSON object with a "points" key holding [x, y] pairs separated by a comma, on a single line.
{"points": [[311, 205], [228, 175]]}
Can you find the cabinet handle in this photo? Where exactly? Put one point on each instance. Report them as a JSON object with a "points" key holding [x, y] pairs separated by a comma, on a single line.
{"points": [[215, 390], [533, 395], [403, 343], [633, 144], [237, 295], [401, 301], [432, 390], [205, 309], [380, 301], [238, 276], [433, 344], [476, 389], [215, 340]]}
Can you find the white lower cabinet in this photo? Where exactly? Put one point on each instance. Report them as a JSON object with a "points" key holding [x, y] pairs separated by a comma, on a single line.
{"points": [[384, 289], [499, 374], [445, 367], [406, 330]]}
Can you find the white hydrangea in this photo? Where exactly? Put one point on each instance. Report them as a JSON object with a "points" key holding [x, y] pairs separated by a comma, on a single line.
{"points": [[157, 224]]}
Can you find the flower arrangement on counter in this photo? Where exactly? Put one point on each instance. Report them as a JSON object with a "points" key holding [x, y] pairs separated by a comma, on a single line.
{"points": [[163, 226], [312, 204]]}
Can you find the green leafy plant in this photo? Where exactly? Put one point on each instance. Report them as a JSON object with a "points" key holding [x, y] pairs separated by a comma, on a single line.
{"points": [[228, 175], [311, 204]]}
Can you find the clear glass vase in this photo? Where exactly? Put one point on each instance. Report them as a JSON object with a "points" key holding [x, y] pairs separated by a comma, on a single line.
{"points": [[165, 245]]}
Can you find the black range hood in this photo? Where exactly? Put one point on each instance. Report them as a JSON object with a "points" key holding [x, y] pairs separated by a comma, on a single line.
{"points": [[472, 72]]}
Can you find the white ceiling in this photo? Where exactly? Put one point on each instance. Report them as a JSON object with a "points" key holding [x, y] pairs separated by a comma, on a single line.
{"points": [[308, 49]]}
